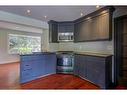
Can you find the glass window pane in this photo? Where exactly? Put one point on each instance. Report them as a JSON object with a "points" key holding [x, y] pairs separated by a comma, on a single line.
{"points": [[22, 44]]}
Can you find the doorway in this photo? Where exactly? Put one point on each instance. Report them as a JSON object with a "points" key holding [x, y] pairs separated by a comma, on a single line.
{"points": [[120, 47]]}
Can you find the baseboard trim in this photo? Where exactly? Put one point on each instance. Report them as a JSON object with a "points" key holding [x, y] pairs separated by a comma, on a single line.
{"points": [[9, 63]]}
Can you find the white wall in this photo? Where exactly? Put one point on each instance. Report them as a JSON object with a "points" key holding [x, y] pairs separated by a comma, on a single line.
{"points": [[52, 47], [9, 17], [4, 56]]}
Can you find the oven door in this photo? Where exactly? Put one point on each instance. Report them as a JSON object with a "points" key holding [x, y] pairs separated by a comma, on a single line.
{"points": [[65, 60]]}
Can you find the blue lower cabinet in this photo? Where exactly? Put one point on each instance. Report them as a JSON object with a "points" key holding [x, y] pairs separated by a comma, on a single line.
{"points": [[95, 69], [39, 65], [26, 75], [76, 65], [50, 64], [82, 70], [38, 68], [80, 66]]}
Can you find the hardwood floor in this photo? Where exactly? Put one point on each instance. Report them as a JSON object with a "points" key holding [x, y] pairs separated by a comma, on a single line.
{"points": [[9, 76], [59, 81], [9, 79]]}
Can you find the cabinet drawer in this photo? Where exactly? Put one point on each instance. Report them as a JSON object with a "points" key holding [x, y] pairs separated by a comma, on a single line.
{"points": [[26, 64], [26, 58], [26, 74], [31, 58]]}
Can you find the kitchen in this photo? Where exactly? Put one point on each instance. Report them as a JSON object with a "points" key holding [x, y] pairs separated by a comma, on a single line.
{"points": [[82, 47]]}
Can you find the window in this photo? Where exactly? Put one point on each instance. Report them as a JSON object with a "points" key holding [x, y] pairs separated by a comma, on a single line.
{"points": [[22, 44]]}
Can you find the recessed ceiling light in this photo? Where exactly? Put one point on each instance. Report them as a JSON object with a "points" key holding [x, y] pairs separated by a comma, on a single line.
{"points": [[81, 14], [28, 11], [97, 6], [45, 17]]}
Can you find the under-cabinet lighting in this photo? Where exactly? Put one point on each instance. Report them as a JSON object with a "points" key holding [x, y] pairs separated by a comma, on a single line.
{"points": [[81, 14], [97, 6], [88, 18]]}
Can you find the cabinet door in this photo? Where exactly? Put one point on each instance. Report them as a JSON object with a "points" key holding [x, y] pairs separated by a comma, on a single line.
{"points": [[96, 70], [53, 32], [76, 65], [26, 71], [104, 26], [80, 66], [65, 27], [87, 28], [50, 64], [94, 29], [39, 67], [78, 34], [83, 64]]}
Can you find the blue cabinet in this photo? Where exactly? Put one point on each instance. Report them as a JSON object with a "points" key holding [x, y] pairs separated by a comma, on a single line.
{"points": [[95, 69], [76, 65], [36, 65], [50, 64], [80, 66]]}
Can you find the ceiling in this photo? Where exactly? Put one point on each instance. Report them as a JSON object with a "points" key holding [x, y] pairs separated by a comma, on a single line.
{"points": [[46, 13]]}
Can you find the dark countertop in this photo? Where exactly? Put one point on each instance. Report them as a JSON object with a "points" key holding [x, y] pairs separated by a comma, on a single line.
{"points": [[36, 53], [93, 54], [79, 53]]}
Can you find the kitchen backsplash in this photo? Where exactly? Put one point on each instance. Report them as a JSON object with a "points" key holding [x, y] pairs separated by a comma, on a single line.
{"points": [[97, 47]]}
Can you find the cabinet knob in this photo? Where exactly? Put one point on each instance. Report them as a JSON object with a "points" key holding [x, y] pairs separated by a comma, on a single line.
{"points": [[27, 65]]}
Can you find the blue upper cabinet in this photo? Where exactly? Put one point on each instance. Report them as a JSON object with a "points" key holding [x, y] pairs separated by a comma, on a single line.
{"points": [[36, 65]]}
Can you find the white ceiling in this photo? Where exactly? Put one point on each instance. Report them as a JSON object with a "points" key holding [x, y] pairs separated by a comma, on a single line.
{"points": [[58, 13]]}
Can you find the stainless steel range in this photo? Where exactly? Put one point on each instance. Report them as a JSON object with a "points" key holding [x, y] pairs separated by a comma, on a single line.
{"points": [[65, 62]]}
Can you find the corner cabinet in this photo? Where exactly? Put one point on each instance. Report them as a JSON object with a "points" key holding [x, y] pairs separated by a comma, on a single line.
{"points": [[59, 27], [95, 69], [96, 26]]}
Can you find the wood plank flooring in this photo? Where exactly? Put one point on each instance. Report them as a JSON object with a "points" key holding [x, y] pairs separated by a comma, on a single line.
{"points": [[9, 76], [9, 79], [59, 81]]}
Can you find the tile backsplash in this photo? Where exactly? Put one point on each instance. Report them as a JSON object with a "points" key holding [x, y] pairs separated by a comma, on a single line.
{"points": [[105, 47]]}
